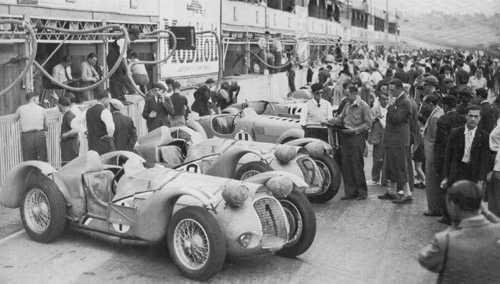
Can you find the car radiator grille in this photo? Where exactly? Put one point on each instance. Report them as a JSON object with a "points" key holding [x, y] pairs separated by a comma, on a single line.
{"points": [[312, 175], [272, 219]]}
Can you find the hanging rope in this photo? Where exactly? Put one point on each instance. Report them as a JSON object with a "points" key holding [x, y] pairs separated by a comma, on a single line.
{"points": [[31, 59], [110, 73]]}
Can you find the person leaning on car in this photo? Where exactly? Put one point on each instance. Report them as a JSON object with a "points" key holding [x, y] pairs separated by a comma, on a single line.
{"points": [[314, 112]]}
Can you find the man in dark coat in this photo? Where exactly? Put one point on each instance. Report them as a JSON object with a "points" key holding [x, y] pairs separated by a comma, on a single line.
{"points": [[157, 107], [467, 151], [202, 104], [125, 133], [100, 125], [401, 74], [397, 143], [487, 122], [70, 144]]}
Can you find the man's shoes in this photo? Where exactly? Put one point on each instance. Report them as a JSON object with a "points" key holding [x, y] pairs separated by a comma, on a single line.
{"points": [[403, 200], [445, 220], [347, 197], [432, 214], [388, 196], [361, 197]]}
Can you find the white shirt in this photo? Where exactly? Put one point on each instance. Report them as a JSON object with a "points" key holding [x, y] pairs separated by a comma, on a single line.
{"points": [[106, 117], [476, 83], [62, 74], [31, 117], [375, 77], [312, 105], [495, 146], [469, 137]]}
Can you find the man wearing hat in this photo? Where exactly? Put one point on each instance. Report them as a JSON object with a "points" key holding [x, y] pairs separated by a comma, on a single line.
{"points": [[157, 107], [314, 112], [202, 104], [119, 83], [383, 85], [448, 84], [33, 123], [70, 143], [125, 133], [430, 86]]}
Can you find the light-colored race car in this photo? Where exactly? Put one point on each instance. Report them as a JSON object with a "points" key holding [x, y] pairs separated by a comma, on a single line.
{"points": [[247, 125], [183, 148], [202, 218]]}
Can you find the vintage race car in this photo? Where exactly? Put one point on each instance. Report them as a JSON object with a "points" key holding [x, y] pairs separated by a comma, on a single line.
{"points": [[202, 218], [247, 125], [183, 148]]}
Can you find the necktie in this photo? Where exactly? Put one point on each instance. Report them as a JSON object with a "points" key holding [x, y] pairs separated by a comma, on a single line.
{"points": [[66, 73]]}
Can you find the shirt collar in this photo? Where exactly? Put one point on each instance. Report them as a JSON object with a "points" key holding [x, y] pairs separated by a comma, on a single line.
{"points": [[473, 130], [478, 220], [357, 101]]}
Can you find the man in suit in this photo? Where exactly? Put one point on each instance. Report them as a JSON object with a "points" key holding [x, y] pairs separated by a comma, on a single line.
{"points": [[157, 107], [401, 74], [467, 151], [468, 251], [397, 143], [430, 102], [100, 125], [125, 133], [451, 119], [487, 122]]}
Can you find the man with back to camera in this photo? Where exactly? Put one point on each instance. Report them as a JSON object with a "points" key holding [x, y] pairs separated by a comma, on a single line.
{"points": [[181, 108], [314, 112], [100, 125], [468, 251], [33, 123], [125, 134]]}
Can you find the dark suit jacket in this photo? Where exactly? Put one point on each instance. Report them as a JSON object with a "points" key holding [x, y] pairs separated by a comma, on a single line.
{"points": [[125, 133], [445, 124], [403, 76], [162, 110], [479, 155], [201, 103], [397, 129], [487, 122], [472, 256]]}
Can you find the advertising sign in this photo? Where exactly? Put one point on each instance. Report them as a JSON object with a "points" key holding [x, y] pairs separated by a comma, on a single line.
{"points": [[203, 15]]}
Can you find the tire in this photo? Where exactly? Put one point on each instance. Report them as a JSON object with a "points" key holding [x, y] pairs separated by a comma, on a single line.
{"points": [[43, 210], [204, 232], [302, 222], [331, 172], [250, 169]]}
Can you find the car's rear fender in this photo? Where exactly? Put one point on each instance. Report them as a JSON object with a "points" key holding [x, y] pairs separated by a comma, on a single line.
{"points": [[154, 214], [225, 166], [16, 181], [290, 134]]}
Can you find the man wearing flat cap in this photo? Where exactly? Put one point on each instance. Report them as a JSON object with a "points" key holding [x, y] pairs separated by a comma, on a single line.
{"points": [[125, 132], [157, 107], [119, 83], [314, 112]]}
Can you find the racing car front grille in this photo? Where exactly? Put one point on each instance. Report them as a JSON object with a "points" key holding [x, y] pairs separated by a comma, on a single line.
{"points": [[272, 219], [311, 173]]}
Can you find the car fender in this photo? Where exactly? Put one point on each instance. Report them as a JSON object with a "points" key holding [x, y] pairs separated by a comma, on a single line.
{"points": [[154, 214], [225, 166], [302, 142], [262, 178], [294, 133], [17, 180], [196, 126]]}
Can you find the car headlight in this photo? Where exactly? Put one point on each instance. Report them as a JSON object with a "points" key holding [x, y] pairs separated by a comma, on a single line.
{"points": [[235, 194], [280, 186], [315, 149], [248, 240], [285, 153]]}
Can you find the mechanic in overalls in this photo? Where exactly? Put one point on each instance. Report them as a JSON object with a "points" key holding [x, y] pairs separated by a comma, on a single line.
{"points": [[315, 112]]}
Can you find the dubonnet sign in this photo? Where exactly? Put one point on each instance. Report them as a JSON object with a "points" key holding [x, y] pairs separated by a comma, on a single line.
{"points": [[203, 15]]}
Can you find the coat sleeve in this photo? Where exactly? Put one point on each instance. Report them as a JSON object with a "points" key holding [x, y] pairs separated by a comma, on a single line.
{"points": [[450, 149], [440, 146], [431, 257], [147, 109], [486, 156], [132, 134]]}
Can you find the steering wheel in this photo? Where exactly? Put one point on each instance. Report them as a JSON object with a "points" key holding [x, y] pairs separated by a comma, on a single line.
{"points": [[238, 116]]}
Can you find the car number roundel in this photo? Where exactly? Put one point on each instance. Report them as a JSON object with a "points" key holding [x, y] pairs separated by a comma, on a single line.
{"points": [[243, 135]]}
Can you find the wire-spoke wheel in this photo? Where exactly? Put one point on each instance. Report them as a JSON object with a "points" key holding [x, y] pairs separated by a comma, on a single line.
{"points": [[196, 243], [332, 178], [43, 210], [251, 169]]}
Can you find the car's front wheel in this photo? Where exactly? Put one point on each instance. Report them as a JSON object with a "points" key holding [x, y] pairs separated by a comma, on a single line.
{"points": [[302, 223], [43, 210], [251, 169], [331, 176], [196, 243]]}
